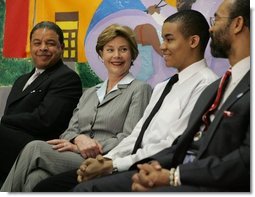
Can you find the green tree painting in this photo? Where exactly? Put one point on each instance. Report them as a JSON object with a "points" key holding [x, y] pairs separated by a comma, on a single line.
{"points": [[11, 68]]}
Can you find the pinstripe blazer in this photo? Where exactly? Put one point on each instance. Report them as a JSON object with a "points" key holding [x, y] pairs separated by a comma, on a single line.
{"points": [[114, 118]]}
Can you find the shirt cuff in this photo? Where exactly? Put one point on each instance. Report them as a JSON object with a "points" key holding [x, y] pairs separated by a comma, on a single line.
{"points": [[174, 177], [122, 164], [177, 175]]}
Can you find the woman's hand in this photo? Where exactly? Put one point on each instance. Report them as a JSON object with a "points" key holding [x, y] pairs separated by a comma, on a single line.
{"points": [[63, 145], [88, 147]]}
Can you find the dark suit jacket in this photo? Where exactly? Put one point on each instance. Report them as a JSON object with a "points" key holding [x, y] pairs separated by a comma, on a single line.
{"points": [[44, 108], [224, 157], [41, 111]]}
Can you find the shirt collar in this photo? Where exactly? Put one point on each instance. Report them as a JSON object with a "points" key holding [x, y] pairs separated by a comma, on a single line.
{"points": [[101, 88], [240, 69], [39, 70], [191, 69]]}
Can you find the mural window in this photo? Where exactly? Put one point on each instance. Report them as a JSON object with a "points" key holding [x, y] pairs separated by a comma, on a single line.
{"points": [[68, 22]]}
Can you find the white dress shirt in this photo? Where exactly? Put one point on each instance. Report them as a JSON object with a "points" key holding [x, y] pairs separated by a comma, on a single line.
{"points": [[171, 119], [33, 77], [101, 92], [238, 72]]}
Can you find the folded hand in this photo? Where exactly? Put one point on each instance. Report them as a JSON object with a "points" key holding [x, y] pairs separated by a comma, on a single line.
{"points": [[149, 176], [88, 147], [91, 168]]}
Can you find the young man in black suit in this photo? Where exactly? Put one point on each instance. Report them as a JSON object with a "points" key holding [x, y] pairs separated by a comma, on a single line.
{"points": [[39, 107], [213, 154]]}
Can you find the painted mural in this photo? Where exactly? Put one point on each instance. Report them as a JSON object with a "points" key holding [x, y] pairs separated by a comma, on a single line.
{"points": [[83, 20]]}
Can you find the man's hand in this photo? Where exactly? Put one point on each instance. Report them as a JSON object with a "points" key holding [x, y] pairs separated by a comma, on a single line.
{"points": [[91, 168], [62, 145], [150, 176], [88, 147]]}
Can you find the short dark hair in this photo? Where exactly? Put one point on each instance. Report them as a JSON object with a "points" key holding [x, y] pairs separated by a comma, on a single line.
{"points": [[49, 25], [192, 23], [241, 8]]}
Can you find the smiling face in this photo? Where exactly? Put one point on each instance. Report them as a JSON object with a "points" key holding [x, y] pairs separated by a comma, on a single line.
{"points": [[116, 55], [45, 48], [175, 47]]}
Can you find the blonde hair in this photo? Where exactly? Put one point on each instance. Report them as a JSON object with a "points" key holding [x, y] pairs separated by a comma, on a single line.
{"points": [[113, 31]]}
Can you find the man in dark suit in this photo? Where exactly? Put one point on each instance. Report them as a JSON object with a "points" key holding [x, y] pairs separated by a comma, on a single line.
{"points": [[39, 108], [213, 154]]}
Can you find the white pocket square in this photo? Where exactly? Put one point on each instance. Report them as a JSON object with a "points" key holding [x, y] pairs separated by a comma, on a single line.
{"points": [[228, 114]]}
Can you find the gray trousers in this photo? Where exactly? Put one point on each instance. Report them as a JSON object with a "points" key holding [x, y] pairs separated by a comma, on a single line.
{"points": [[36, 162]]}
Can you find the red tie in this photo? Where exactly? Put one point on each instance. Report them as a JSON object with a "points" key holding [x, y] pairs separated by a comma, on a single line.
{"points": [[214, 106]]}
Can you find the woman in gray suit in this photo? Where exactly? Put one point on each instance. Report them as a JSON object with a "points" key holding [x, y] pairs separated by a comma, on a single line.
{"points": [[105, 115]]}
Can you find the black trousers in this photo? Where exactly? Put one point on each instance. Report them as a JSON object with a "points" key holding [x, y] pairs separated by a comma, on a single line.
{"points": [[63, 182], [12, 142], [67, 181], [119, 182], [122, 182]]}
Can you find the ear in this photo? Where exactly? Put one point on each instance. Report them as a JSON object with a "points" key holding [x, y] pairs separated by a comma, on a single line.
{"points": [[101, 53], [238, 24], [101, 56], [194, 41], [62, 46]]}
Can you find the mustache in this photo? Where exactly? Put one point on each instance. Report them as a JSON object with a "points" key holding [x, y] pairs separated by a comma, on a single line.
{"points": [[43, 54]]}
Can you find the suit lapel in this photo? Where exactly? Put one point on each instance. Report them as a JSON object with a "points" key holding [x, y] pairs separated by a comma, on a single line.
{"points": [[20, 94], [17, 89], [40, 79], [23, 81], [113, 94], [17, 93], [242, 88], [202, 105]]}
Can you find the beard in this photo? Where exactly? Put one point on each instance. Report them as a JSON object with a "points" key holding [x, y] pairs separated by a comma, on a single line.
{"points": [[220, 45]]}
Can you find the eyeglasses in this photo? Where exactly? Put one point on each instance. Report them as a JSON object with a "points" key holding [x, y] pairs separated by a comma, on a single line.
{"points": [[213, 19]]}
